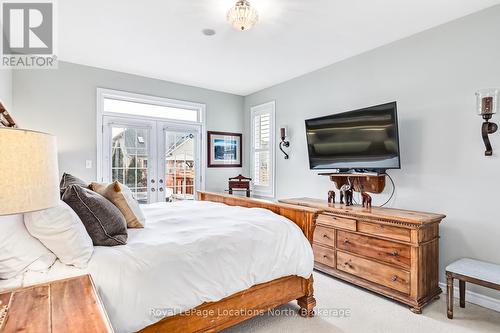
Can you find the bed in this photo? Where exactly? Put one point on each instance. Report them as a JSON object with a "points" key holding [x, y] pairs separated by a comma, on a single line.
{"points": [[203, 266]]}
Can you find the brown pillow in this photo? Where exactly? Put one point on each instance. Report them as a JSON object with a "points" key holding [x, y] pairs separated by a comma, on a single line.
{"points": [[121, 196], [105, 224], [67, 180]]}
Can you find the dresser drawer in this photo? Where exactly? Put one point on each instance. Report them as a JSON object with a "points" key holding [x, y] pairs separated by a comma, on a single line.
{"points": [[324, 255], [337, 222], [391, 252], [385, 231], [324, 236], [384, 275]]}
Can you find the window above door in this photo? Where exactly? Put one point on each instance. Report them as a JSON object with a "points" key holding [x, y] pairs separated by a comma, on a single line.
{"points": [[149, 110], [114, 102]]}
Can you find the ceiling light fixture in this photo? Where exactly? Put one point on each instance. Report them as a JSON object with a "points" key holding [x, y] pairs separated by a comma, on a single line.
{"points": [[242, 16]]}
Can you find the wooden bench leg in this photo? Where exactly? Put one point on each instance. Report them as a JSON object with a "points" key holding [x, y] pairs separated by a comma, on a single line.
{"points": [[449, 296], [461, 285]]}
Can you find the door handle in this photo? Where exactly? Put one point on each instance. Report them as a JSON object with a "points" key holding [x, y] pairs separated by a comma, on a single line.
{"points": [[152, 181], [153, 189], [160, 189]]}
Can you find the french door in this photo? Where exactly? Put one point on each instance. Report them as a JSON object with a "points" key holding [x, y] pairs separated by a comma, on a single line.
{"points": [[157, 160]]}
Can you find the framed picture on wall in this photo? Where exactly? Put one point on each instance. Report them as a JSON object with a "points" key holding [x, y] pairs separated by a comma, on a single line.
{"points": [[224, 150]]}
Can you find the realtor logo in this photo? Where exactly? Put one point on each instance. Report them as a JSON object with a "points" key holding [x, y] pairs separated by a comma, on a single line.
{"points": [[28, 34]]}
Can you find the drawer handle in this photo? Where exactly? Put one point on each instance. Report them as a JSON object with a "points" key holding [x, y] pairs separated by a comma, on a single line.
{"points": [[325, 236], [346, 241], [394, 253], [348, 264], [325, 256], [394, 278]]}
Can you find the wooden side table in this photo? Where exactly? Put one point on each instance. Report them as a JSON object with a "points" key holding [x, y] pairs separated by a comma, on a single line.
{"points": [[69, 305], [472, 271]]}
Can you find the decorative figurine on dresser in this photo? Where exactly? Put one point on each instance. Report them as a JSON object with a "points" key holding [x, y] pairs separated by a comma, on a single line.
{"points": [[346, 192], [331, 196], [366, 200]]}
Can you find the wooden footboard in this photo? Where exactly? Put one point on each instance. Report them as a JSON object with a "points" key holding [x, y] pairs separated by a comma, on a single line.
{"points": [[215, 316]]}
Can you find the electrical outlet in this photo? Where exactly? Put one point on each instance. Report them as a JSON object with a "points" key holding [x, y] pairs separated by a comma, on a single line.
{"points": [[88, 164]]}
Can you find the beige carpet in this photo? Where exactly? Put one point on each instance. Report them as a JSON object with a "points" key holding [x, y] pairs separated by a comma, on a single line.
{"points": [[371, 313]]}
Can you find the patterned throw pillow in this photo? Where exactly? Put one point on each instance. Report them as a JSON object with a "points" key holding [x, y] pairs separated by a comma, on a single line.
{"points": [[121, 196], [68, 180], [105, 224]]}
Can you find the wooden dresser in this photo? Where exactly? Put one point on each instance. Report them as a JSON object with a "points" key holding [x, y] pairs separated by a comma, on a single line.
{"points": [[389, 251], [69, 305]]}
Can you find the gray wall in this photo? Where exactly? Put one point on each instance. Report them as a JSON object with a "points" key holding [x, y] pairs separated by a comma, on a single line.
{"points": [[63, 102], [433, 77], [6, 88]]}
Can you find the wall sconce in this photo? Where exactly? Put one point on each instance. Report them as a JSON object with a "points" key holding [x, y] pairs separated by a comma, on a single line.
{"points": [[284, 143], [487, 105]]}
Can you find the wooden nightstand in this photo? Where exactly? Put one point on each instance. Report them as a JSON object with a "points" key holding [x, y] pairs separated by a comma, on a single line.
{"points": [[69, 305]]}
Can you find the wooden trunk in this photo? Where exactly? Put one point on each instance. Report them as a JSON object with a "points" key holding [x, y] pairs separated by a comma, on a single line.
{"points": [[389, 251]]}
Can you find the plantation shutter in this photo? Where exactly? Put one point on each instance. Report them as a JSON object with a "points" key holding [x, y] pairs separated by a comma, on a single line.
{"points": [[262, 154]]}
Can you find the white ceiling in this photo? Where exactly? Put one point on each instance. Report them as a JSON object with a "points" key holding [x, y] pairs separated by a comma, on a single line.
{"points": [[162, 38]]}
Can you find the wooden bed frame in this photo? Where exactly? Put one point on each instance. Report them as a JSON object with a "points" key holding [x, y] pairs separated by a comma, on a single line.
{"points": [[216, 316]]}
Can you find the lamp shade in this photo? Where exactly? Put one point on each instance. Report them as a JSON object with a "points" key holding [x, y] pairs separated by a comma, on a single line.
{"points": [[28, 171]]}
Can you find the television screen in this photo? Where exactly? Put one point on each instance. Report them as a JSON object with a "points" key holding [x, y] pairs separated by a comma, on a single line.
{"points": [[365, 139]]}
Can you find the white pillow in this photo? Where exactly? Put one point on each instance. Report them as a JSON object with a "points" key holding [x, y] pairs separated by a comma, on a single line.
{"points": [[133, 204], [62, 232], [19, 250]]}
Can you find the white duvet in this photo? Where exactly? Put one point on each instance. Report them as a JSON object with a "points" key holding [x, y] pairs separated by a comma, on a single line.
{"points": [[190, 253]]}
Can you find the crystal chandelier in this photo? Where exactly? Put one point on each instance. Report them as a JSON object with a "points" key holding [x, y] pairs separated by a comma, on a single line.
{"points": [[242, 16]]}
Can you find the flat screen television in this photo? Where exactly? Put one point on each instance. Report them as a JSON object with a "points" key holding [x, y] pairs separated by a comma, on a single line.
{"points": [[360, 140]]}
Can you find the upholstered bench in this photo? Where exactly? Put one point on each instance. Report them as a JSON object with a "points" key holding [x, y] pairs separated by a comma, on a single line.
{"points": [[473, 271]]}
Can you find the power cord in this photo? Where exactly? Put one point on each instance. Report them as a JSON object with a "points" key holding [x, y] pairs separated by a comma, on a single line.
{"points": [[393, 190], [385, 203]]}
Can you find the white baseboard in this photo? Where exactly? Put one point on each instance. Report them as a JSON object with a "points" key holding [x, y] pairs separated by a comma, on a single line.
{"points": [[476, 298]]}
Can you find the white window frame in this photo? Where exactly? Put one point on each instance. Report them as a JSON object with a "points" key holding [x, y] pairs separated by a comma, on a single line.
{"points": [[269, 107], [103, 93]]}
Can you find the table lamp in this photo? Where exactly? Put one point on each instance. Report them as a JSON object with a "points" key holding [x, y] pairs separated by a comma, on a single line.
{"points": [[28, 171]]}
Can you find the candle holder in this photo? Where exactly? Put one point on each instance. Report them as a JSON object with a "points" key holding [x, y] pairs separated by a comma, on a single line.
{"points": [[283, 142], [487, 106]]}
